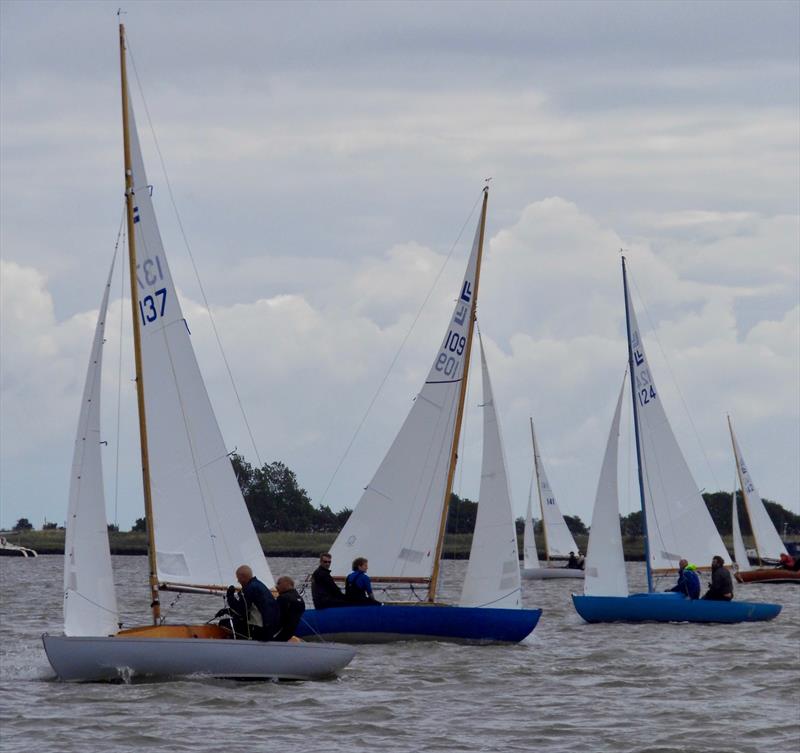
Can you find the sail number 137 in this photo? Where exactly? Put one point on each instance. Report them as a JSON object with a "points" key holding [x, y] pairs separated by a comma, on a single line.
{"points": [[153, 307]]}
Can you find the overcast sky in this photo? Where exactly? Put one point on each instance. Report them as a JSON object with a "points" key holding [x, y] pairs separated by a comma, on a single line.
{"points": [[324, 158]]}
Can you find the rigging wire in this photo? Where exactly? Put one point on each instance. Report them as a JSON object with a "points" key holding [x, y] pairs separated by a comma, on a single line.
{"points": [[399, 350], [675, 382], [192, 259]]}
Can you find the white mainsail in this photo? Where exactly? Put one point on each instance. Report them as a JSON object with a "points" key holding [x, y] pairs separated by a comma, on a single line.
{"points": [[530, 557], [396, 522], [203, 531], [678, 522], [605, 560], [492, 578], [90, 601], [558, 539], [739, 551], [768, 541]]}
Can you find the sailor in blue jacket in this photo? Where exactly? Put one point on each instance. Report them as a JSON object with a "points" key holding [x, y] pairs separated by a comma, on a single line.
{"points": [[688, 580], [358, 586], [254, 610]]}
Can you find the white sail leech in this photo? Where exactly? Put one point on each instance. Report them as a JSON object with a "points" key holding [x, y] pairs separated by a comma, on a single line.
{"points": [[530, 557], [739, 551], [202, 528], [90, 600], [559, 541], [678, 522], [395, 523], [768, 541], [605, 560], [493, 577]]}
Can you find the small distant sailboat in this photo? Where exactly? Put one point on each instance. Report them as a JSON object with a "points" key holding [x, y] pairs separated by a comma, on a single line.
{"points": [[399, 522], [769, 546], [676, 521], [558, 539], [198, 527], [7, 549]]}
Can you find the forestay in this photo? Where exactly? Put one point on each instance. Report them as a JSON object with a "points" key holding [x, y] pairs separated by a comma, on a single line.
{"points": [[90, 601], [678, 522], [492, 578], [530, 557], [396, 522], [739, 552], [605, 561], [202, 528], [768, 542], [557, 536]]}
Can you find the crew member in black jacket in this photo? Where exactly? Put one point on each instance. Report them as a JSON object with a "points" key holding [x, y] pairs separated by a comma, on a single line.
{"points": [[324, 590], [254, 612], [291, 607]]}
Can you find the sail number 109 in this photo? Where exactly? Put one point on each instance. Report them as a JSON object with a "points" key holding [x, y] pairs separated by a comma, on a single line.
{"points": [[453, 343]]}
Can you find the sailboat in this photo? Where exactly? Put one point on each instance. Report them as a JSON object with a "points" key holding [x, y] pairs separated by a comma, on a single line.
{"points": [[399, 522], [769, 546], [198, 527], [676, 521], [558, 539]]}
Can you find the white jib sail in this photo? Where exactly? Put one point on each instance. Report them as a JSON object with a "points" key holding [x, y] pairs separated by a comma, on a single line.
{"points": [[493, 578], [203, 531], [678, 522], [90, 601], [768, 541], [557, 536], [530, 557], [739, 551], [605, 561], [396, 522]]}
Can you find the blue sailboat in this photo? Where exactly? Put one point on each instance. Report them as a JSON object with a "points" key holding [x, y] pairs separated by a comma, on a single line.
{"points": [[399, 522], [676, 522]]}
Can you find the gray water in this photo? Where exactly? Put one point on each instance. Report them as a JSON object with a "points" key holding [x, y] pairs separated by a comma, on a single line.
{"points": [[570, 687]]}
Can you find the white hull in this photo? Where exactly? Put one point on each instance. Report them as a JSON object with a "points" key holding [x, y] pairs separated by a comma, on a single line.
{"points": [[90, 659], [549, 573]]}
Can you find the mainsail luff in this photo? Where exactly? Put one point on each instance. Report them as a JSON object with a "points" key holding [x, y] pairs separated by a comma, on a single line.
{"points": [[137, 343], [539, 490], [90, 602], [767, 540]]}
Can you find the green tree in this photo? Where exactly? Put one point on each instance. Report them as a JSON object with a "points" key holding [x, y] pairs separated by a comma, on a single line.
{"points": [[461, 515], [49, 526], [23, 524], [139, 525], [575, 524]]}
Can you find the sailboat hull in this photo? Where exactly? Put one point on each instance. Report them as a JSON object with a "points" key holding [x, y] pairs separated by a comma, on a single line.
{"points": [[551, 573], [768, 575], [670, 607], [89, 659], [418, 622]]}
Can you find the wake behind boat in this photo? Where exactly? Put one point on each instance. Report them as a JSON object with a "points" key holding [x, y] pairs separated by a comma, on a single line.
{"points": [[198, 528], [671, 531], [399, 522]]}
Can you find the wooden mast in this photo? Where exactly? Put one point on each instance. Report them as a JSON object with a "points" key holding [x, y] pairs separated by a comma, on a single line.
{"points": [[744, 492], [539, 490], [462, 397], [137, 342]]}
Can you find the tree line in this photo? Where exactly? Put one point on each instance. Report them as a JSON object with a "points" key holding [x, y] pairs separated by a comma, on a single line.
{"points": [[277, 502]]}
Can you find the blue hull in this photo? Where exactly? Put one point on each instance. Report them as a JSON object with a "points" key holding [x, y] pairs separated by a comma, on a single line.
{"points": [[670, 607], [418, 623]]}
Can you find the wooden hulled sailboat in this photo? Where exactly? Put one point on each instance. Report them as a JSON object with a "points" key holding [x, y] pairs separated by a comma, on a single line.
{"points": [[399, 522], [558, 539], [198, 527], [676, 522], [769, 546]]}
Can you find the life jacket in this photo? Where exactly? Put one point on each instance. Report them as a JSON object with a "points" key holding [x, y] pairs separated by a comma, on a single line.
{"points": [[352, 591]]}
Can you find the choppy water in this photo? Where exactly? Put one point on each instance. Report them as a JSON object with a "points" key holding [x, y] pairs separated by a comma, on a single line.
{"points": [[571, 687]]}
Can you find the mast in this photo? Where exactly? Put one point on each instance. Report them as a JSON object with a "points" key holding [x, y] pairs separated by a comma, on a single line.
{"points": [[636, 430], [459, 415], [137, 342], [744, 490], [539, 490]]}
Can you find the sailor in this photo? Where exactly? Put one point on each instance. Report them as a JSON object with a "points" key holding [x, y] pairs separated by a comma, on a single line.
{"points": [[572, 562], [688, 580], [291, 607], [324, 590], [358, 586], [253, 610], [721, 586]]}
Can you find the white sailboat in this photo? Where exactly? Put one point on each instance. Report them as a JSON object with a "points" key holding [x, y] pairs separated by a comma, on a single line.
{"points": [[198, 527], [769, 547], [558, 540], [399, 522], [676, 521]]}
